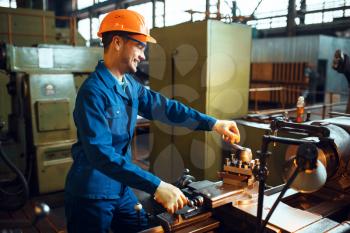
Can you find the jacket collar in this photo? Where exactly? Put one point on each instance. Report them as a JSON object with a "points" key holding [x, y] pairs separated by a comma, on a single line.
{"points": [[108, 79]]}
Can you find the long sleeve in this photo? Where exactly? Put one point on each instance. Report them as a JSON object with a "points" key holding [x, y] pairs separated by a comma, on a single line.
{"points": [[155, 106]]}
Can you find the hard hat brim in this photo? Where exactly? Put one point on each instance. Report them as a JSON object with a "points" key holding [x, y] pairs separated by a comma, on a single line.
{"points": [[143, 38], [150, 39], [140, 37]]}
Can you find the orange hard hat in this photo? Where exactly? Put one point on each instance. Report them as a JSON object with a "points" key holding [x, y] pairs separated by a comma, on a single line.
{"points": [[126, 21]]}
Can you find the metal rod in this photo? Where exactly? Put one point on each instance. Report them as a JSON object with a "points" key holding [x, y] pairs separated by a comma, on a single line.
{"points": [[279, 198], [338, 114], [90, 30], [74, 31], [164, 9], [324, 108], [256, 101], [26, 34], [173, 74], [316, 106], [9, 28], [260, 203], [262, 176], [308, 12], [331, 101], [207, 9], [311, 130], [44, 28]]}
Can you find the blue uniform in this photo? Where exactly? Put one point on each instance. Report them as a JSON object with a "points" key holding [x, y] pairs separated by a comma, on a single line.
{"points": [[102, 172]]}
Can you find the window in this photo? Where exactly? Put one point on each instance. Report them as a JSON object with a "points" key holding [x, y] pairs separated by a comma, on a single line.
{"points": [[8, 3]]}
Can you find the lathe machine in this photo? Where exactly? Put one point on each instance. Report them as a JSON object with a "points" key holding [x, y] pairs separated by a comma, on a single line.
{"points": [[230, 205]]}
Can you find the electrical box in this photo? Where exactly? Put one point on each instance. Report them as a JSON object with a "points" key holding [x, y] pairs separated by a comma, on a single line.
{"points": [[52, 99]]}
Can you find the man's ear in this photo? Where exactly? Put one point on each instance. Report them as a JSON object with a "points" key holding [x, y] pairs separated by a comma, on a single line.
{"points": [[117, 42]]}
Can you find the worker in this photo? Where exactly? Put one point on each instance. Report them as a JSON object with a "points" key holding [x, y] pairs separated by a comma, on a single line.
{"points": [[312, 77], [98, 194], [341, 64]]}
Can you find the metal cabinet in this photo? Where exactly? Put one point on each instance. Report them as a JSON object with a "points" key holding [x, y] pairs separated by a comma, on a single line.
{"points": [[205, 65]]}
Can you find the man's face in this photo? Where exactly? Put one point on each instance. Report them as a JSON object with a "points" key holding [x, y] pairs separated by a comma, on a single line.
{"points": [[132, 53]]}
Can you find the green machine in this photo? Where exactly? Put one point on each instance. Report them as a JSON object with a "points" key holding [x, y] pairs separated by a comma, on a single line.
{"points": [[38, 89], [208, 69], [27, 27]]}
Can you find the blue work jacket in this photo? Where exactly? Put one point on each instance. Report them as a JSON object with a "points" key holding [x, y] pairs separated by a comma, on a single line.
{"points": [[105, 117]]}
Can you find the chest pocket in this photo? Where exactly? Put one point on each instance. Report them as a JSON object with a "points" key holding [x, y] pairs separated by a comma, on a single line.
{"points": [[113, 112], [117, 121]]}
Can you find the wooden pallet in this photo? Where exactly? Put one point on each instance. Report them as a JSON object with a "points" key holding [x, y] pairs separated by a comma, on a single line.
{"points": [[288, 75]]}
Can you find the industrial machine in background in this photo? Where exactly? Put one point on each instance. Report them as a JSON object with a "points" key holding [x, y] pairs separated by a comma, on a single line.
{"points": [[28, 27], [231, 205], [38, 90]]}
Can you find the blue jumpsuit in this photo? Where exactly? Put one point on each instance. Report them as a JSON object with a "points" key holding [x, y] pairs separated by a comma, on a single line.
{"points": [[97, 190]]}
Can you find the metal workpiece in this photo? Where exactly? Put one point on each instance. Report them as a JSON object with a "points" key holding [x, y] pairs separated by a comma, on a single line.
{"points": [[238, 170], [241, 153]]}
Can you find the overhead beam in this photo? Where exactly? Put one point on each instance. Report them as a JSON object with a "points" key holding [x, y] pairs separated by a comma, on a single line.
{"points": [[309, 29], [308, 12], [107, 6]]}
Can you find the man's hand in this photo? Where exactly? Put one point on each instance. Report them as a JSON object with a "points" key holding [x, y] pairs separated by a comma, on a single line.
{"points": [[170, 197], [228, 130]]}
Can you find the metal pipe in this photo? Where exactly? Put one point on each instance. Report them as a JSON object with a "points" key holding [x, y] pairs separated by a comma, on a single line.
{"points": [[90, 29], [331, 114], [9, 28], [153, 13], [317, 106], [207, 9], [164, 13], [44, 28]]}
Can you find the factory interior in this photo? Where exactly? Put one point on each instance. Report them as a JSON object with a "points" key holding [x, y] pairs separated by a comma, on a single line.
{"points": [[279, 70]]}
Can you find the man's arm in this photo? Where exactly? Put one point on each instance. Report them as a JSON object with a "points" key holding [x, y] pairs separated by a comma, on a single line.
{"points": [[155, 106]]}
